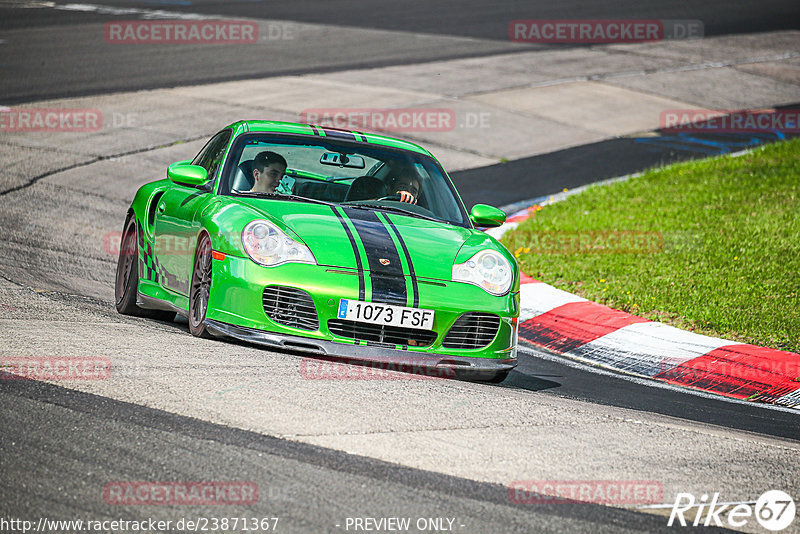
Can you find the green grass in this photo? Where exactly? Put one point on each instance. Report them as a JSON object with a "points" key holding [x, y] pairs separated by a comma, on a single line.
{"points": [[711, 246]]}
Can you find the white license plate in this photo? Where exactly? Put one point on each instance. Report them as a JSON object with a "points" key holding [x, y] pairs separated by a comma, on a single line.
{"points": [[385, 314]]}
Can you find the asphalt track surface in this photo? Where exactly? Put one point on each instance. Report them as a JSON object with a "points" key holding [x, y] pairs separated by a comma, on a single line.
{"points": [[553, 172], [313, 488], [56, 53], [537, 374]]}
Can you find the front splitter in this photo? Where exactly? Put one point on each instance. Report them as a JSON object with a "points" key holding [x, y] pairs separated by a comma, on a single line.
{"points": [[461, 366]]}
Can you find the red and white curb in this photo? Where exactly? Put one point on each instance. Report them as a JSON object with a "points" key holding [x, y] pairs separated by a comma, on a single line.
{"points": [[576, 328]]}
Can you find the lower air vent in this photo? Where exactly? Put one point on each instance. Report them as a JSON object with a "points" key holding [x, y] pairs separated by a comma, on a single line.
{"points": [[291, 307], [393, 335], [472, 331]]}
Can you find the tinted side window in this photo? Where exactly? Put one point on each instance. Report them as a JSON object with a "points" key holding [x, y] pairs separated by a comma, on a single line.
{"points": [[211, 156]]}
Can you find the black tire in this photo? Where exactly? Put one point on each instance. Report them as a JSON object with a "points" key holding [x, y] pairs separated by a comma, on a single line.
{"points": [[127, 281], [126, 285], [200, 288]]}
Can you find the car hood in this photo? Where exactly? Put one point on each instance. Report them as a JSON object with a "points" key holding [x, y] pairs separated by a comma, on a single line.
{"points": [[372, 240]]}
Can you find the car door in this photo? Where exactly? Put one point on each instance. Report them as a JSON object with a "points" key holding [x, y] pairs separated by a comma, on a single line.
{"points": [[176, 219]]}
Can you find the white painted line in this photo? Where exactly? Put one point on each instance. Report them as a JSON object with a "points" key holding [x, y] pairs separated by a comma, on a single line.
{"points": [[537, 298], [647, 349], [28, 5], [108, 10], [790, 399], [144, 13]]}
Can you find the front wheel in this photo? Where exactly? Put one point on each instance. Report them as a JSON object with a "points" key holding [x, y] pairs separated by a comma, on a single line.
{"points": [[200, 288]]}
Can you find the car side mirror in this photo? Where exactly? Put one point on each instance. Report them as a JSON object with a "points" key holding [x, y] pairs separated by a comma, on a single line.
{"points": [[184, 173], [486, 216]]}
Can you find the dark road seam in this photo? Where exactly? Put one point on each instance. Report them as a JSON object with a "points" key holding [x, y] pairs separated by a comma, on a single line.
{"points": [[97, 159], [128, 413]]}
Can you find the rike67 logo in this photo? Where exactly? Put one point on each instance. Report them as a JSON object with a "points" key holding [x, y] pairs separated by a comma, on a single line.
{"points": [[774, 510]]}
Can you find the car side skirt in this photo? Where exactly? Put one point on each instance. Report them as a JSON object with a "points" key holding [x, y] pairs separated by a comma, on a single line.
{"points": [[151, 303]]}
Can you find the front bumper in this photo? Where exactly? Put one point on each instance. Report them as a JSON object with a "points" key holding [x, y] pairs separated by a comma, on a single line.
{"points": [[457, 365], [236, 300]]}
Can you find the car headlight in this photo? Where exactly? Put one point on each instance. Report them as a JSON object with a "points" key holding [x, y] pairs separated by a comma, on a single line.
{"points": [[268, 245], [487, 269]]}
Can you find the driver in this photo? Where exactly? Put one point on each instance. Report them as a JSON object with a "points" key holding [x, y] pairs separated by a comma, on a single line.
{"points": [[404, 184], [268, 170]]}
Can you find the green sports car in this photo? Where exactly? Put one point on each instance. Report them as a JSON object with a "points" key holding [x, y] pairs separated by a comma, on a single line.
{"points": [[326, 241]]}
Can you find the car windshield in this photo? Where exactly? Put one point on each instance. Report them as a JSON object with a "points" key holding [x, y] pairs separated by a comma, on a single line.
{"points": [[341, 173]]}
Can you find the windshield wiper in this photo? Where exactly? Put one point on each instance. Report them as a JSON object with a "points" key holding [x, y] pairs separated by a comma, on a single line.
{"points": [[257, 194]]}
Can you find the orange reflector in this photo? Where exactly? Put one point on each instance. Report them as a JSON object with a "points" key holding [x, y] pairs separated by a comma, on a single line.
{"points": [[217, 255]]}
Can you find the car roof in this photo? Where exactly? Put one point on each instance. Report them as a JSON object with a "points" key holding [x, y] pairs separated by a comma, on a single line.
{"points": [[249, 126]]}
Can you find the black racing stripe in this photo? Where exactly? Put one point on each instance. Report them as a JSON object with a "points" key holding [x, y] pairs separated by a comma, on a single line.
{"points": [[315, 130], [414, 286], [339, 134], [388, 281], [361, 294]]}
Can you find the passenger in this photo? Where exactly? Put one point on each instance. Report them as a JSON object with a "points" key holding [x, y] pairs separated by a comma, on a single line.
{"points": [[268, 170]]}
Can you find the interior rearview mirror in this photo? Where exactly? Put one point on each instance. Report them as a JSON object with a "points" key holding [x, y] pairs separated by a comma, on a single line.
{"points": [[342, 160]]}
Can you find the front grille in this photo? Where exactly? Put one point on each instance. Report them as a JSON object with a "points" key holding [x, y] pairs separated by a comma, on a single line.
{"points": [[472, 331], [393, 335], [290, 306]]}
